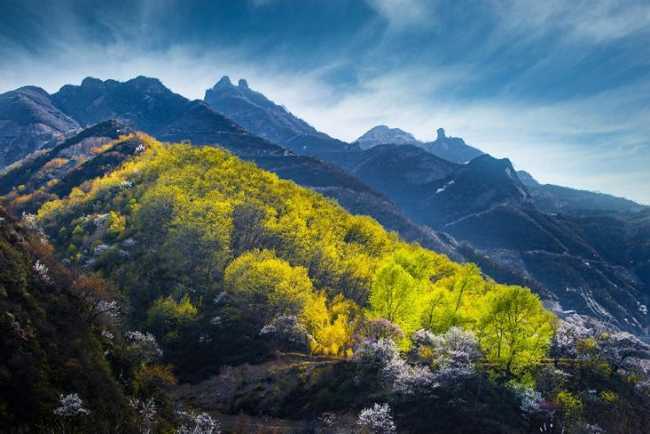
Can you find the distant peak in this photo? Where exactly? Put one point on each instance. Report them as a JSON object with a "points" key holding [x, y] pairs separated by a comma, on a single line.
{"points": [[243, 83], [441, 134], [224, 81], [383, 135], [91, 82], [32, 90], [148, 84]]}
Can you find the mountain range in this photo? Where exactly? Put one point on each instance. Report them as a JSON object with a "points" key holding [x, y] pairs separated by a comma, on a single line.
{"points": [[449, 148], [582, 251]]}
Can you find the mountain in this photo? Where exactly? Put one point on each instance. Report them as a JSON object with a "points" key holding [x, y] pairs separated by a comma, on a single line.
{"points": [[237, 281], [557, 199], [481, 202], [383, 135], [209, 270], [261, 116], [451, 148], [485, 204], [213, 254], [28, 121], [145, 104], [55, 172], [399, 171]]}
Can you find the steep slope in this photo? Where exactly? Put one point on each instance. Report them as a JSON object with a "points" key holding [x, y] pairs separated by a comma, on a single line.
{"points": [[29, 120], [54, 173], [261, 116], [398, 171], [50, 167], [49, 343], [481, 201], [175, 226], [227, 265], [383, 135]]}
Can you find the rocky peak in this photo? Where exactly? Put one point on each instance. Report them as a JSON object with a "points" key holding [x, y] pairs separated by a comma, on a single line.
{"points": [[243, 84], [148, 84], [91, 82], [441, 134], [223, 82], [384, 135]]}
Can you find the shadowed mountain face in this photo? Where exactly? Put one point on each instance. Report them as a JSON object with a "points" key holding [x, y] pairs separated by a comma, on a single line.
{"points": [[28, 121], [485, 204], [556, 199], [264, 118]]}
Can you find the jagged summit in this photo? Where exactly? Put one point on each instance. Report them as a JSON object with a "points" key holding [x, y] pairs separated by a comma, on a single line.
{"points": [[262, 117], [451, 148], [223, 81], [384, 135]]}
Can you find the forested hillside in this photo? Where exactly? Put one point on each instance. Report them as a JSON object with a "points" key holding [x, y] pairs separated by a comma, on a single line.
{"points": [[223, 264], [178, 227]]}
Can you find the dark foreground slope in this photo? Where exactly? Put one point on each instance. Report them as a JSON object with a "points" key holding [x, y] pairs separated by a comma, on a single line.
{"points": [[49, 341]]}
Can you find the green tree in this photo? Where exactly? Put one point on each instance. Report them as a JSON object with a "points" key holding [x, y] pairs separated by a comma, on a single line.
{"points": [[514, 329], [267, 285]]}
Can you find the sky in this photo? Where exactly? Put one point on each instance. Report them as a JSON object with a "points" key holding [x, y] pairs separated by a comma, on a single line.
{"points": [[562, 88]]}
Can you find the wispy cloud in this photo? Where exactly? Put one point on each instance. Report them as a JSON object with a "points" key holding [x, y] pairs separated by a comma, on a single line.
{"points": [[561, 88], [588, 20], [403, 13]]}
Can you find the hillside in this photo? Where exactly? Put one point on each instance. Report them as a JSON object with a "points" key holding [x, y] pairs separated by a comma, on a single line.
{"points": [[227, 264], [197, 197], [51, 345]]}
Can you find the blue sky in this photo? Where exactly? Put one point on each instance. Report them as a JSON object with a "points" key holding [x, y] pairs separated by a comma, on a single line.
{"points": [[562, 88]]}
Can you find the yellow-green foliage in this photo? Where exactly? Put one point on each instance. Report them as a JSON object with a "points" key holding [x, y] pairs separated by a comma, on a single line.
{"points": [[205, 221], [570, 404], [267, 284], [166, 316]]}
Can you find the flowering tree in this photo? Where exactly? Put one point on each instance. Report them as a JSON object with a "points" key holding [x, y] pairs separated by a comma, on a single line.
{"points": [[144, 344], [147, 412], [71, 405], [287, 331], [197, 423], [382, 358], [377, 419], [70, 411], [42, 271], [452, 354]]}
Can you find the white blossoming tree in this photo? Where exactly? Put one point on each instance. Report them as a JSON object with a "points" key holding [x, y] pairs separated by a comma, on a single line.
{"points": [[377, 419]]}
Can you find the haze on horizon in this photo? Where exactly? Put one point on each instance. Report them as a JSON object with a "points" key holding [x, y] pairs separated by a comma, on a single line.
{"points": [[560, 88]]}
